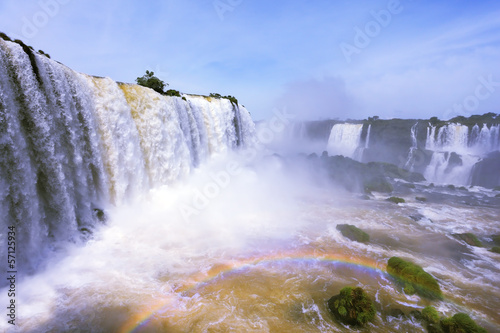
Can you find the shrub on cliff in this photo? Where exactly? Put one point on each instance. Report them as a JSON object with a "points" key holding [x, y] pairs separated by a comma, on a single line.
{"points": [[229, 97], [151, 81], [5, 37], [352, 306], [353, 233], [172, 92], [414, 278]]}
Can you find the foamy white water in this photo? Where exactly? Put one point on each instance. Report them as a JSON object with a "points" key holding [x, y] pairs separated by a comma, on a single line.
{"points": [[73, 144]]}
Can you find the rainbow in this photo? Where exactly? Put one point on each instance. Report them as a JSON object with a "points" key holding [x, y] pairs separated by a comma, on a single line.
{"points": [[200, 279]]}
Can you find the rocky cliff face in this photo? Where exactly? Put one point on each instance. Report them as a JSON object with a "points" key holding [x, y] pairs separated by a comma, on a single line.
{"points": [[457, 151]]}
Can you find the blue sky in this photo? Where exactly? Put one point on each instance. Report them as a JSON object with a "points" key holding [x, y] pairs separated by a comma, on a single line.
{"points": [[419, 59]]}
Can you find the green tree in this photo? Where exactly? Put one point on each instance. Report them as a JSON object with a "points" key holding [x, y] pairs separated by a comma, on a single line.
{"points": [[151, 81]]}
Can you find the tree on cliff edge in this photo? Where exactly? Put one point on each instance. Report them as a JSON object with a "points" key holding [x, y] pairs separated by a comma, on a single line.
{"points": [[151, 81]]}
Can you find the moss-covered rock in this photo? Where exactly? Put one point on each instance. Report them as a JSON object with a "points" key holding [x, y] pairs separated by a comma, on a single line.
{"points": [[430, 315], [469, 238], [414, 278], [496, 239], [353, 233], [495, 249], [352, 306], [377, 184], [396, 200], [461, 323], [432, 320], [421, 199]]}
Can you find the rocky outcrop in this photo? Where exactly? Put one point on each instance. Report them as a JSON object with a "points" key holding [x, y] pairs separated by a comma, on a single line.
{"points": [[353, 233], [352, 306], [486, 172], [414, 278]]}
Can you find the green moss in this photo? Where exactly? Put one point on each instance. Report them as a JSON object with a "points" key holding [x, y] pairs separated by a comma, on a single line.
{"points": [[496, 239], [430, 315], [410, 274], [421, 199], [469, 238], [461, 323], [396, 200], [379, 184], [353, 233], [495, 249], [184, 98], [352, 306]]}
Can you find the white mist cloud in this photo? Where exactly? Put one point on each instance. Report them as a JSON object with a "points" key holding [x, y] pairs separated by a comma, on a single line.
{"points": [[317, 99]]}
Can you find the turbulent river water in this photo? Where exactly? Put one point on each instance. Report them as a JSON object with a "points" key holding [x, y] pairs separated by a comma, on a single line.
{"points": [[263, 255]]}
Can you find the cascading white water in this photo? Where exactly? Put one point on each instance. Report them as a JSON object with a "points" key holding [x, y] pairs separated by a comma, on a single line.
{"points": [[410, 161], [367, 140], [455, 151], [72, 144], [485, 140], [345, 140]]}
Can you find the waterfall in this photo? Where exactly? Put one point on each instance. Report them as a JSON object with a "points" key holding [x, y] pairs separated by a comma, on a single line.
{"points": [[410, 161], [485, 140], [72, 144], [367, 140], [345, 140], [456, 151]]}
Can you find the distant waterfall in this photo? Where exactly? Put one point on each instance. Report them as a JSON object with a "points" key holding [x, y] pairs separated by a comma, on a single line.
{"points": [[72, 144], [456, 150], [367, 140], [410, 161], [345, 140]]}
